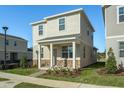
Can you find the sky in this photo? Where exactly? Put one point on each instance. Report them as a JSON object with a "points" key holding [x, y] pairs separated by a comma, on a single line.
{"points": [[18, 19]]}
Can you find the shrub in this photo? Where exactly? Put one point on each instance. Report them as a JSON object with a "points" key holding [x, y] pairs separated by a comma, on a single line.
{"points": [[49, 71], [63, 71], [111, 62], [23, 62]]}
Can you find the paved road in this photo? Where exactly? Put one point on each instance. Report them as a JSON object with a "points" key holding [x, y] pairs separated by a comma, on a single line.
{"points": [[46, 82]]}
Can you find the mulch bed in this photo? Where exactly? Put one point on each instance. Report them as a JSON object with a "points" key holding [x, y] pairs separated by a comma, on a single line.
{"points": [[102, 71]]}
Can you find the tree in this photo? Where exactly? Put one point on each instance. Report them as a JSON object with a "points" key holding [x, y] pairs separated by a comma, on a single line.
{"points": [[98, 56], [111, 62]]}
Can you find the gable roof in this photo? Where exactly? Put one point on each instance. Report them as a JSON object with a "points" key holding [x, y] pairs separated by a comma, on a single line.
{"points": [[57, 15], [13, 36]]}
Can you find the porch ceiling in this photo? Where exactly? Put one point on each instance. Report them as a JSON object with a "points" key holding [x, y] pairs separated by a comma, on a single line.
{"points": [[60, 39]]}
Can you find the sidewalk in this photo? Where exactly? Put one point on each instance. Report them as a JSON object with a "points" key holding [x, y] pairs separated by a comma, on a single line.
{"points": [[47, 82]]}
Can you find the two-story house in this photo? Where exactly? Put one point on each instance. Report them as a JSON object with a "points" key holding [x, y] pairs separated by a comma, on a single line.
{"points": [[114, 30], [64, 40], [16, 48]]}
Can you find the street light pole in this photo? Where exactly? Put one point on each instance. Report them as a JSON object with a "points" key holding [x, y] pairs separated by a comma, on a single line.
{"points": [[5, 28]]}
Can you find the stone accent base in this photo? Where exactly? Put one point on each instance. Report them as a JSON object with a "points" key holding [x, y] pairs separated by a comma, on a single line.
{"points": [[59, 63], [68, 63], [35, 63], [45, 63]]}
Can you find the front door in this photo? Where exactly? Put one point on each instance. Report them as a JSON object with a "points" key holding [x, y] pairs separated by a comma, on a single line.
{"points": [[54, 57]]}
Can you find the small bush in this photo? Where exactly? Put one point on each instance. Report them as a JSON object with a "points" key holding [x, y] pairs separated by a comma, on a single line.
{"points": [[111, 62], [23, 62], [63, 71]]}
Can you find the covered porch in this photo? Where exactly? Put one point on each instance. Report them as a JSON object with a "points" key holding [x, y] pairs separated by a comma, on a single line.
{"points": [[62, 53]]}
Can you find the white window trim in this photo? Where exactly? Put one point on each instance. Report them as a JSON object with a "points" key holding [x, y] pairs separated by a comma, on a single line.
{"points": [[119, 49], [67, 51], [118, 14], [39, 30], [65, 24]]}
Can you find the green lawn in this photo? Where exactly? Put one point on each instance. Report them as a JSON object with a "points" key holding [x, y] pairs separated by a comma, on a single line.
{"points": [[21, 71], [29, 85], [3, 79], [89, 75]]}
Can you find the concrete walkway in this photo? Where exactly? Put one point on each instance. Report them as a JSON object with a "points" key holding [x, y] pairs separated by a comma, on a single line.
{"points": [[8, 83], [41, 72], [46, 82]]}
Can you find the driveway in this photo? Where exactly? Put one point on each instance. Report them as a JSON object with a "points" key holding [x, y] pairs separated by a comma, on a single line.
{"points": [[16, 79]]}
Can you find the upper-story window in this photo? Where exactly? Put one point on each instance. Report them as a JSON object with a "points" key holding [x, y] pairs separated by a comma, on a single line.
{"points": [[120, 14], [88, 32], [61, 24], [15, 43], [121, 49], [41, 30]]}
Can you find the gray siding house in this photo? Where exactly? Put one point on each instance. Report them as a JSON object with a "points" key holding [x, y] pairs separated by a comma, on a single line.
{"points": [[64, 40], [114, 30], [16, 48]]}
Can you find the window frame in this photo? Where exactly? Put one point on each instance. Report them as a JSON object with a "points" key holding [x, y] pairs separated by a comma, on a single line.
{"points": [[118, 7], [68, 52], [42, 52], [62, 24], [15, 43], [120, 50], [40, 30]]}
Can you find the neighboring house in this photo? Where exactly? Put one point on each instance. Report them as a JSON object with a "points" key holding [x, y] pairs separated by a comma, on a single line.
{"points": [[64, 40], [29, 56], [16, 48], [114, 30]]}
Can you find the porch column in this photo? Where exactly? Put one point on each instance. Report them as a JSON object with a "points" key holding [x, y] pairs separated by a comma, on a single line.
{"points": [[39, 60], [51, 55], [74, 56]]}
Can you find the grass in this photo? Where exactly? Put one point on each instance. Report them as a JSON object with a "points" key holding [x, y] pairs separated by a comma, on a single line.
{"points": [[3, 79], [90, 76], [29, 85], [21, 71]]}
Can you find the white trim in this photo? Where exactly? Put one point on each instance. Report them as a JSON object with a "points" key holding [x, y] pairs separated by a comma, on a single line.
{"points": [[38, 22], [105, 25], [120, 40], [39, 57], [74, 54], [59, 39], [119, 36], [51, 54], [117, 8], [60, 14]]}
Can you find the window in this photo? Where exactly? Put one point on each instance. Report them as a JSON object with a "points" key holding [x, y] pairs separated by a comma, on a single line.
{"points": [[121, 14], [70, 51], [41, 52], [61, 24], [84, 52], [15, 44], [88, 32], [41, 30], [121, 49], [92, 36], [67, 52], [7, 42]]}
